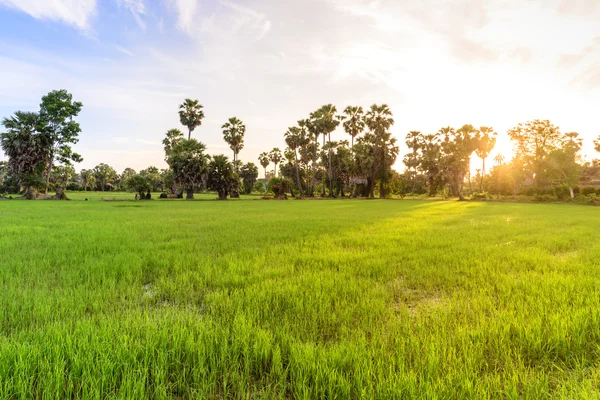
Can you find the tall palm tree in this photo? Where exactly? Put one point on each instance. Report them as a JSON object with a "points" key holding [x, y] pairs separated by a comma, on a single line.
{"points": [[486, 142], [379, 119], [354, 123], [233, 133], [275, 156], [264, 160], [499, 159], [327, 121], [294, 140], [191, 115]]}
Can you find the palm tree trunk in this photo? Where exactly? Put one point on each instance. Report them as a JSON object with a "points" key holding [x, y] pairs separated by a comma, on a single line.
{"points": [[298, 174], [329, 173], [482, 175], [189, 133], [323, 183]]}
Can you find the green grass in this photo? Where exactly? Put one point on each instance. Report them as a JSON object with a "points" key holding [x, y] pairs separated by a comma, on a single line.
{"points": [[299, 299]]}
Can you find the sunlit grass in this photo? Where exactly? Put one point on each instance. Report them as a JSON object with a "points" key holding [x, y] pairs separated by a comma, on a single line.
{"points": [[299, 299]]}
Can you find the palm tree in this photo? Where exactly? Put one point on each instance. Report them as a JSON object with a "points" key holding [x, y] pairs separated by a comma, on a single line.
{"points": [[294, 140], [275, 156], [354, 123], [486, 141], [499, 159], [326, 122], [233, 133], [379, 119], [264, 160], [191, 115], [597, 144]]}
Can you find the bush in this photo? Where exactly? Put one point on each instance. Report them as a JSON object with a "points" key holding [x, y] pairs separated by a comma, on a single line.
{"points": [[544, 198], [481, 196], [562, 192], [276, 186], [586, 191]]}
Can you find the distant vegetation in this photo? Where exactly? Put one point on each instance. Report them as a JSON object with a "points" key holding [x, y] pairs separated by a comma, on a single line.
{"points": [[547, 165]]}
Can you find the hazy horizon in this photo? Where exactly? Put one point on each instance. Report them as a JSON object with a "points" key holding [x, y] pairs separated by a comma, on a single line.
{"points": [[270, 63]]}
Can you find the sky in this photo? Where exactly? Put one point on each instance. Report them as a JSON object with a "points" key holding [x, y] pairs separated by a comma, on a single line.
{"points": [[271, 62]]}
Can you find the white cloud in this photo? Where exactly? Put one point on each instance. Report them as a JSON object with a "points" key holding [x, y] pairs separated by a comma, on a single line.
{"points": [[186, 10], [125, 51], [137, 9], [72, 12]]}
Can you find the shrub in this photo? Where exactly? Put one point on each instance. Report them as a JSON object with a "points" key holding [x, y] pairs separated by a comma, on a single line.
{"points": [[588, 190], [562, 192], [544, 198], [277, 187], [481, 196]]}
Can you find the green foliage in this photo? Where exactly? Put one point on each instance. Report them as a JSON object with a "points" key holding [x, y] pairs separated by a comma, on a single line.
{"points": [[189, 164], [233, 133], [105, 176], [191, 115], [221, 176], [277, 187], [28, 150], [139, 183], [249, 174]]}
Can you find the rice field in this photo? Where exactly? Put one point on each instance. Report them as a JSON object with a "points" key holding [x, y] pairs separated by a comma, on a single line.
{"points": [[341, 299]]}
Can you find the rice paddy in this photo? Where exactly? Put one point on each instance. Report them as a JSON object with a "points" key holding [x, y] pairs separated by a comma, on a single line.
{"points": [[340, 299]]}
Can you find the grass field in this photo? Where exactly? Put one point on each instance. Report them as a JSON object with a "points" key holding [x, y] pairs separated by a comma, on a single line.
{"points": [[299, 299]]}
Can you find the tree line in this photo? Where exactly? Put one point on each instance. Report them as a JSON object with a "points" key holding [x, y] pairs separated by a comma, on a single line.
{"points": [[40, 157]]}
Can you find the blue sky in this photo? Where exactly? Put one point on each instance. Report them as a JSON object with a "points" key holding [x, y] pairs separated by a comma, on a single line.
{"points": [[271, 62]]}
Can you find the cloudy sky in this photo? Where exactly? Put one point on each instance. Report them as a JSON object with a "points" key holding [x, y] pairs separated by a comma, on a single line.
{"points": [[271, 62]]}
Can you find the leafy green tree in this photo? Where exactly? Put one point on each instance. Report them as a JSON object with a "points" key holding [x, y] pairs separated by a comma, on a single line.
{"points": [[275, 156], [139, 183], [534, 141], [233, 133], [105, 175], [191, 115], [168, 179], [154, 177], [379, 120], [486, 141], [88, 179], [27, 149], [125, 175], [564, 168], [62, 176], [221, 176], [354, 123], [189, 164], [56, 120], [264, 161], [457, 147], [249, 174]]}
